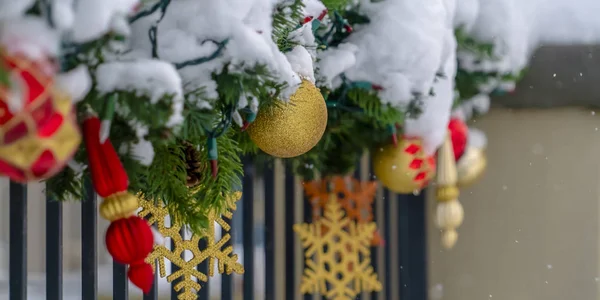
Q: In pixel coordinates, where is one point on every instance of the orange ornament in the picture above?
(38, 129)
(355, 197)
(403, 168)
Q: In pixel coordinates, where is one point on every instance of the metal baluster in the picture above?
(269, 188)
(54, 250)
(413, 248)
(204, 292)
(120, 282)
(377, 219)
(18, 241)
(248, 228)
(308, 218)
(226, 280)
(387, 232)
(89, 252)
(290, 249)
(174, 268)
(358, 175)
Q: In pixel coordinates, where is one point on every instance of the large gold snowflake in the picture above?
(214, 251)
(338, 261)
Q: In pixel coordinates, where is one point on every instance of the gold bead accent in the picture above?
(449, 238)
(118, 206)
(446, 193)
(291, 129)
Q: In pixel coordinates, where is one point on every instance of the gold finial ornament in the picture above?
(449, 211)
(291, 129)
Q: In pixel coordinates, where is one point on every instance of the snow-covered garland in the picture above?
(165, 74)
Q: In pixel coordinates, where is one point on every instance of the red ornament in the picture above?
(129, 241)
(37, 121)
(459, 133)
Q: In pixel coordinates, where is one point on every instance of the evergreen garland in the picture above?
(357, 119)
(165, 179)
(467, 82)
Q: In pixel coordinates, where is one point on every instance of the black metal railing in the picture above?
(400, 218)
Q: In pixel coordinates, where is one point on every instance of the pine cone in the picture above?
(194, 166)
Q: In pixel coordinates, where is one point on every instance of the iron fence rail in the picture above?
(405, 280)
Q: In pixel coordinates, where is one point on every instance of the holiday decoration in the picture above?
(449, 211)
(193, 166)
(404, 168)
(337, 263)
(187, 286)
(291, 129)
(129, 239)
(356, 198)
(471, 166)
(37, 121)
(458, 134)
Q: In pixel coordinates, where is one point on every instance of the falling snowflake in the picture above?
(188, 276)
(338, 264)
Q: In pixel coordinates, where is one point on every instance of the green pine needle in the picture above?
(286, 19)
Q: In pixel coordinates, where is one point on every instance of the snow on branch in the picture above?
(401, 48)
(431, 124)
(241, 31)
(147, 78)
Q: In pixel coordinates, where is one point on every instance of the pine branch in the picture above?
(286, 19)
(65, 186)
(373, 108)
(332, 5)
(165, 181)
(469, 44)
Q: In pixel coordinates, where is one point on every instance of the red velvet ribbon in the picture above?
(108, 175)
(128, 240)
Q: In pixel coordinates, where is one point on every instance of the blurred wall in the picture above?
(532, 224)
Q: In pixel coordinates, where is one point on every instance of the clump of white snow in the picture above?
(313, 8)
(193, 29)
(335, 61)
(466, 14)
(149, 78)
(431, 124)
(29, 36)
(76, 82)
(403, 39)
(93, 18)
(62, 14)
(301, 62)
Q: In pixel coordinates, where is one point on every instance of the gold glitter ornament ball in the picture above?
(292, 128)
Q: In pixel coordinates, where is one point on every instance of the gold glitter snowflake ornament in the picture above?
(190, 277)
(338, 261)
